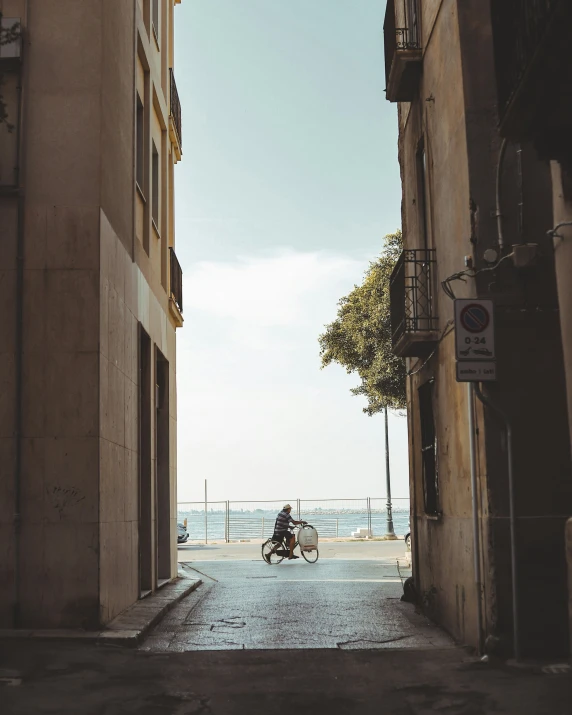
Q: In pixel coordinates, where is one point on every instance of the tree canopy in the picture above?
(360, 337)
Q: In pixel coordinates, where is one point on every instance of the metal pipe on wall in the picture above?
(520, 188)
(512, 517)
(498, 194)
(475, 510)
(19, 333)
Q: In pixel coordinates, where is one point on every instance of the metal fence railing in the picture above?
(333, 518)
(401, 30)
(176, 279)
(175, 107)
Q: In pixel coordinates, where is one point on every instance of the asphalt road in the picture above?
(335, 603)
(68, 679)
(329, 638)
(330, 549)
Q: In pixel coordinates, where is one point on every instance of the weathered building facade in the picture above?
(468, 199)
(90, 298)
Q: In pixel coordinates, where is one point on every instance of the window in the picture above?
(140, 139)
(421, 161)
(412, 22)
(155, 17)
(155, 187)
(428, 449)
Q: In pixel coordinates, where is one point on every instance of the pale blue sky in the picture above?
(288, 183)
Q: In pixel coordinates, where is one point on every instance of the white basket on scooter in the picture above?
(308, 538)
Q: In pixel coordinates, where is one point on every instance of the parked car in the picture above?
(182, 533)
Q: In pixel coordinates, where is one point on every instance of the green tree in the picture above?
(360, 337)
(7, 35)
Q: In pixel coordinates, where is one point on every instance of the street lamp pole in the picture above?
(206, 515)
(390, 533)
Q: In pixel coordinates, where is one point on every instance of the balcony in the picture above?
(532, 40)
(175, 288)
(403, 54)
(175, 126)
(413, 320)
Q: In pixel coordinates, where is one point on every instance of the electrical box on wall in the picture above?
(12, 49)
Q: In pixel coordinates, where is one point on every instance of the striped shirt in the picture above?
(283, 521)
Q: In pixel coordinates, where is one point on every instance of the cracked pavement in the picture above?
(327, 638)
(335, 603)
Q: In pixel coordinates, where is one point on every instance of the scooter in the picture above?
(408, 539)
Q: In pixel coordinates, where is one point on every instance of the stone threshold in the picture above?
(127, 629)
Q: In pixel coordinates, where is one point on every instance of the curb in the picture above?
(127, 629)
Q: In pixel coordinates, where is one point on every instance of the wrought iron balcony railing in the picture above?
(407, 25)
(176, 280)
(403, 55)
(413, 320)
(175, 108)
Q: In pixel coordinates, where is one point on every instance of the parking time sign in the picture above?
(474, 330)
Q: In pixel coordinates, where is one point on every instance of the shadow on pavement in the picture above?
(68, 679)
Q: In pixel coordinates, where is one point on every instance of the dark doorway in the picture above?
(145, 472)
(428, 449)
(164, 540)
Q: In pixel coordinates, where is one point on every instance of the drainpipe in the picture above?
(520, 187)
(498, 195)
(390, 532)
(513, 551)
(475, 506)
(19, 340)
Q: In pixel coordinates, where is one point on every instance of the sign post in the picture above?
(475, 340)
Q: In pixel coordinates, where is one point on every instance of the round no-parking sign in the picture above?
(474, 329)
(475, 318)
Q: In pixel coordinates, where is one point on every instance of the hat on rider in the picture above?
(286, 506)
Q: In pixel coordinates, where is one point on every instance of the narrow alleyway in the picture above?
(335, 603)
(329, 638)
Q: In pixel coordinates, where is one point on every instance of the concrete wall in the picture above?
(117, 124)
(60, 477)
(87, 287)
(118, 434)
(133, 294)
(8, 278)
(127, 302)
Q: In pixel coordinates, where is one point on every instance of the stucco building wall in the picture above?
(438, 119)
(453, 117)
